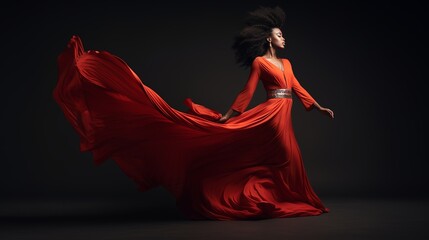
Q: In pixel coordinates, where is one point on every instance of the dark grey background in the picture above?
(360, 59)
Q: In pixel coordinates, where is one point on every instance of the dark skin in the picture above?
(276, 41)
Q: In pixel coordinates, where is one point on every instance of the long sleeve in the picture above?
(243, 98)
(306, 99)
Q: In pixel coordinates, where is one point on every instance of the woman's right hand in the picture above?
(226, 116)
(223, 119)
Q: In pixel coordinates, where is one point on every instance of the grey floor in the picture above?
(350, 218)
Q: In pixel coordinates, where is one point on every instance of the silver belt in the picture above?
(279, 93)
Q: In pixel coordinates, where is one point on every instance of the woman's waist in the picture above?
(279, 93)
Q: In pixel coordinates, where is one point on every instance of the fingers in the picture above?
(331, 113)
(222, 119)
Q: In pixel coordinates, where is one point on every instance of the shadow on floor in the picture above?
(349, 219)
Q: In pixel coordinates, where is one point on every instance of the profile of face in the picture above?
(276, 38)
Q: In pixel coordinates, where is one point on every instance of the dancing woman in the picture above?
(244, 164)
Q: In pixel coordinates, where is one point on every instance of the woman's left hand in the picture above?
(327, 111)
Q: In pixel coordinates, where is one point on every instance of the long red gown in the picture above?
(247, 168)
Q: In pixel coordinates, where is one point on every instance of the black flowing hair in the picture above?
(251, 41)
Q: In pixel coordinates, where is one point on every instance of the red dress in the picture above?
(247, 168)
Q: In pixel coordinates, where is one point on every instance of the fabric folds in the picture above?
(248, 168)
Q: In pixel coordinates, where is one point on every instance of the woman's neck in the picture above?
(270, 53)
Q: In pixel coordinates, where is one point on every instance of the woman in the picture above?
(261, 37)
(217, 166)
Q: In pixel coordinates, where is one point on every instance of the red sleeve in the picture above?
(243, 98)
(306, 99)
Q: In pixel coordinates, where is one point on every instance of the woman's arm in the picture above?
(324, 110)
(228, 115)
(306, 99)
(243, 98)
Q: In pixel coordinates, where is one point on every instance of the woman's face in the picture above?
(277, 39)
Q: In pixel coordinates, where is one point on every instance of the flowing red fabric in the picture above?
(248, 168)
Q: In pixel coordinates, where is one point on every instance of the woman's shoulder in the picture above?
(286, 60)
(256, 61)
